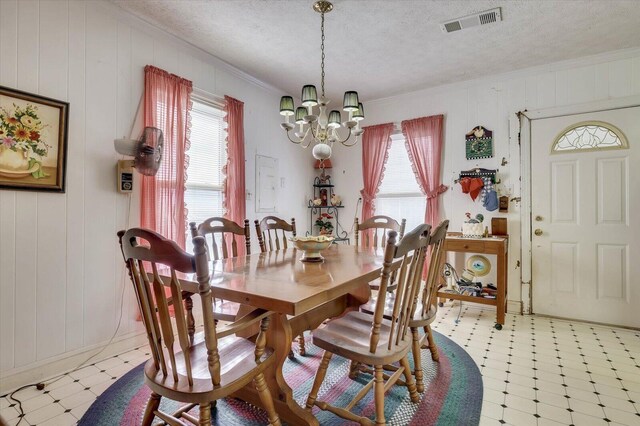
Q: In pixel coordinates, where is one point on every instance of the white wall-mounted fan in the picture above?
(147, 156)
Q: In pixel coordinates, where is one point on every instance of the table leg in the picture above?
(280, 335)
(502, 288)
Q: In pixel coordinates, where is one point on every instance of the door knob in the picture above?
(538, 218)
(538, 232)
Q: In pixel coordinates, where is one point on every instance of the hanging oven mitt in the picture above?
(471, 186)
(491, 201)
(475, 186)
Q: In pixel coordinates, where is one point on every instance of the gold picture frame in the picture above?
(33, 141)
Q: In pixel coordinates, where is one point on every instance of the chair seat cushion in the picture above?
(349, 336)
(237, 368)
(419, 319)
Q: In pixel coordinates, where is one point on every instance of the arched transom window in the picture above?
(589, 136)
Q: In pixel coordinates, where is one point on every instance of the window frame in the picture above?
(398, 137)
(624, 142)
(211, 101)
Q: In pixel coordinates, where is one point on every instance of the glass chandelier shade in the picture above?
(286, 106)
(359, 114)
(314, 124)
(309, 96)
(334, 119)
(300, 113)
(350, 101)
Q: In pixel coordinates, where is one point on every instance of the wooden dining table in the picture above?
(301, 295)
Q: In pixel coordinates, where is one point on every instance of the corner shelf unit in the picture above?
(323, 189)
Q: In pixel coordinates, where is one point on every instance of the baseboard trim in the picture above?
(514, 307)
(53, 367)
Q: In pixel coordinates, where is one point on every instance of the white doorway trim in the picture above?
(522, 120)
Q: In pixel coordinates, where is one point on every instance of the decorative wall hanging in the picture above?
(33, 141)
(479, 143)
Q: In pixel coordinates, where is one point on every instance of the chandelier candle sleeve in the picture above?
(315, 127)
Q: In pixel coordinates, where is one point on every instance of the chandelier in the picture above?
(320, 129)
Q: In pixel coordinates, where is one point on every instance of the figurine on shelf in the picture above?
(317, 202)
(323, 197)
(324, 224)
(336, 200)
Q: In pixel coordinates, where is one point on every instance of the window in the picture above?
(400, 196)
(207, 156)
(589, 135)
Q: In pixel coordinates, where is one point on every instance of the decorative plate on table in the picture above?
(480, 265)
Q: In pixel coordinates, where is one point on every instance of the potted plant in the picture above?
(324, 224)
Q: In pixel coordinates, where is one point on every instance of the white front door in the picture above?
(585, 207)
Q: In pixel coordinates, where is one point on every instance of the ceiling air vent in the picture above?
(475, 20)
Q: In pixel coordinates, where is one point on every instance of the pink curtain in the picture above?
(167, 106)
(234, 187)
(423, 140)
(376, 142)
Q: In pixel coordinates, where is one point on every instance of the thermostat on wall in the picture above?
(125, 176)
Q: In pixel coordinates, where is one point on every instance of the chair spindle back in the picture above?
(436, 244)
(146, 253)
(378, 226)
(267, 231)
(222, 233)
(405, 260)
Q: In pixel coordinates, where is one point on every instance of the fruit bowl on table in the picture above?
(311, 246)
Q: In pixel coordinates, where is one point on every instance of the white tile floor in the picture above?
(536, 371)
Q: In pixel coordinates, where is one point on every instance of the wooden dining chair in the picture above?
(372, 339)
(220, 237)
(267, 231)
(271, 232)
(426, 308)
(378, 226)
(213, 366)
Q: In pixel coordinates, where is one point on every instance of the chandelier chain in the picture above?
(322, 50)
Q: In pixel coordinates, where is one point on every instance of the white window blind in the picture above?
(207, 156)
(399, 196)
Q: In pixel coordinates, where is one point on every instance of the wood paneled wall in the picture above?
(61, 273)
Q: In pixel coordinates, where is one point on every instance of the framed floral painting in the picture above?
(33, 141)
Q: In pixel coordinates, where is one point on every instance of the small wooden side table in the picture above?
(497, 245)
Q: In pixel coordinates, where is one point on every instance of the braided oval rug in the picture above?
(452, 396)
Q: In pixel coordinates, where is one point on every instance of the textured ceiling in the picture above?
(384, 47)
